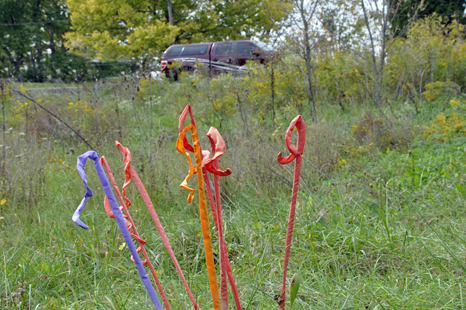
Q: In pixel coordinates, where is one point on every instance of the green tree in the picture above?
(32, 46)
(140, 29)
(31, 32)
(16, 34)
(450, 8)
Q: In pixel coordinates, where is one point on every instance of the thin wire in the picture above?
(69, 20)
(425, 15)
(35, 23)
(43, 108)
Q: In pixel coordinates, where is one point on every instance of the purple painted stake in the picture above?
(118, 217)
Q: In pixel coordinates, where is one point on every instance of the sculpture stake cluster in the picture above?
(211, 165)
(205, 162)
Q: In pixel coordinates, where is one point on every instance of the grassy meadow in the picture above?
(380, 216)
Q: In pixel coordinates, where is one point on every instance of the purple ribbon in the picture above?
(118, 217)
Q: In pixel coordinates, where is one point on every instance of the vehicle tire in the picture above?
(190, 70)
(173, 76)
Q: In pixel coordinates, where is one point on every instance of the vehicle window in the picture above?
(194, 50)
(224, 49)
(174, 51)
(245, 48)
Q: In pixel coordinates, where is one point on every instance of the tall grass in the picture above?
(379, 221)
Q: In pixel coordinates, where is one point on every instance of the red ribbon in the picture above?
(299, 123)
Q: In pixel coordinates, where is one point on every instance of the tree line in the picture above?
(84, 40)
(32, 44)
(73, 40)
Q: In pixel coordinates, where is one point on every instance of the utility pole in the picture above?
(170, 12)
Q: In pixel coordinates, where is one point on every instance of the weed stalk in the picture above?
(3, 91)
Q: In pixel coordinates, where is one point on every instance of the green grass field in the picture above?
(380, 216)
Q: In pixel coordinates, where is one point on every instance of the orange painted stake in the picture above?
(202, 206)
(211, 165)
(296, 153)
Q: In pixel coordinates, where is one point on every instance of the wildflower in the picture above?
(454, 102)
(122, 246)
(23, 89)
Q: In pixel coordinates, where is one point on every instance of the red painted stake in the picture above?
(131, 174)
(212, 165)
(296, 153)
(132, 229)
